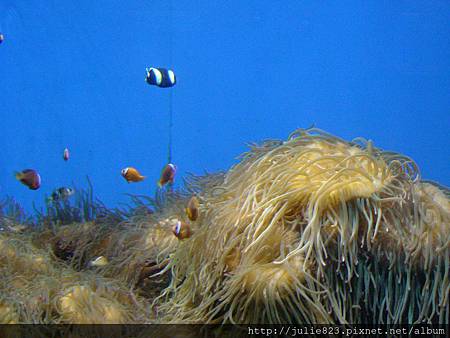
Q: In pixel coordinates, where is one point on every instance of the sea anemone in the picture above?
(36, 287)
(135, 244)
(314, 229)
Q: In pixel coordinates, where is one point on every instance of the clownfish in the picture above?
(167, 175)
(132, 175)
(160, 77)
(30, 178)
(192, 208)
(66, 154)
(181, 230)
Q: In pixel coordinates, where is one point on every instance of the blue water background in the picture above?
(72, 75)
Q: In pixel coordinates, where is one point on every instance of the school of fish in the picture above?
(160, 77)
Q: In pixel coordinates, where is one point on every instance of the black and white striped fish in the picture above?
(161, 77)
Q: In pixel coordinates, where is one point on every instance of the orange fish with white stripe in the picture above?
(131, 174)
(182, 230)
(167, 174)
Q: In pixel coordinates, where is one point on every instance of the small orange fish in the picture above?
(192, 208)
(181, 230)
(132, 175)
(66, 154)
(30, 178)
(167, 174)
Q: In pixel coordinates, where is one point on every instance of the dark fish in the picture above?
(167, 174)
(66, 154)
(30, 178)
(62, 193)
(160, 77)
(192, 208)
(2, 37)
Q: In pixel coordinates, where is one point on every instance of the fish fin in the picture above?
(18, 175)
(159, 184)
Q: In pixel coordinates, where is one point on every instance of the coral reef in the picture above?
(313, 229)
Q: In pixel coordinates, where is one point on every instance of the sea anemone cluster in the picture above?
(313, 229)
(46, 275)
(37, 289)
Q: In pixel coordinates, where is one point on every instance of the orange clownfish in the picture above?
(132, 175)
(167, 174)
(192, 208)
(181, 230)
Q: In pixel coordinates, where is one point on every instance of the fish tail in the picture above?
(18, 175)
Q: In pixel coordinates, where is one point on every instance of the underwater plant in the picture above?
(84, 208)
(12, 216)
(314, 229)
